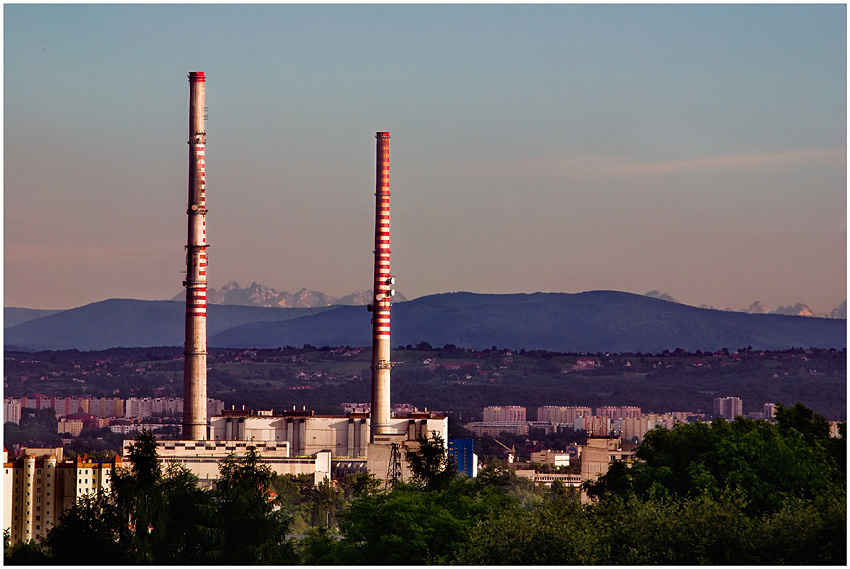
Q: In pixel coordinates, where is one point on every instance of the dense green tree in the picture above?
(430, 464)
(741, 492)
(27, 553)
(692, 460)
(803, 421)
(409, 525)
(37, 428)
(695, 531)
(358, 484)
(425, 521)
(801, 533)
(247, 526)
(164, 512)
(91, 525)
(500, 478)
(321, 547)
(556, 532)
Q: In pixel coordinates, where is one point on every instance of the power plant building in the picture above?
(297, 440)
(345, 438)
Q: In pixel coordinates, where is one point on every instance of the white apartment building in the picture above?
(769, 410)
(481, 428)
(551, 457)
(11, 410)
(594, 426)
(562, 415)
(39, 486)
(728, 407)
(615, 413)
(143, 407)
(629, 428)
(504, 414)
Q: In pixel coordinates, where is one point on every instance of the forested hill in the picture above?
(599, 321)
(131, 323)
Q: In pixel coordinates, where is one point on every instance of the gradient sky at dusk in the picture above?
(696, 150)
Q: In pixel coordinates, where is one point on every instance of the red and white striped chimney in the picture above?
(195, 363)
(381, 293)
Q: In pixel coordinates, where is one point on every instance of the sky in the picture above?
(697, 150)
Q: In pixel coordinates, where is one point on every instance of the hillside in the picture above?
(132, 323)
(12, 316)
(599, 321)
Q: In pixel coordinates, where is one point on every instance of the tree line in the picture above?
(745, 492)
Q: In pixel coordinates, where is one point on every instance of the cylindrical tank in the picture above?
(195, 363)
(381, 293)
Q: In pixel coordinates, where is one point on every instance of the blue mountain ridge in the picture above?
(596, 321)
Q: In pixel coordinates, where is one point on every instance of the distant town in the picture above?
(126, 390)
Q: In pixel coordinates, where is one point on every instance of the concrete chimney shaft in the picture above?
(382, 292)
(195, 363)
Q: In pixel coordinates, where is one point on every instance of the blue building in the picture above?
(467, 462)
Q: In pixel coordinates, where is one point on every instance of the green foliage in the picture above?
(741, 492)
(765, 464)
(27, 553)
(694, 531)
(554, 532)
(502, 479)
(163, 509)
(321, 547)
(247, 527)
(359, 484)
(802, 420)
(37, 428)
(745, 492)
(430, 464)
(412, 525)
(800, 533)
(91, 525)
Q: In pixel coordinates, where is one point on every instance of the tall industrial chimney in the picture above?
(382, 292)
(195, 363)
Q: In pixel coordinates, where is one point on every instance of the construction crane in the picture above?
(511, 451)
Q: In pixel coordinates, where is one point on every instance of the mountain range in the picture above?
(596, 321)
(757, 307)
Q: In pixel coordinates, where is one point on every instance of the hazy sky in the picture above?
(696, 150)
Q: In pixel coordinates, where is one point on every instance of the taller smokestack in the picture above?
(195, 363)
(382, 292)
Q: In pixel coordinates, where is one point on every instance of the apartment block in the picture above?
(504, 414)
(11, 410)
(562, 415)
(728, 407)
(39, 486)
(594, 425)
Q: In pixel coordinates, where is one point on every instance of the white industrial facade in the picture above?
(346, 438)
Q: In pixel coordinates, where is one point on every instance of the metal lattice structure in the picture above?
(394, 469)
